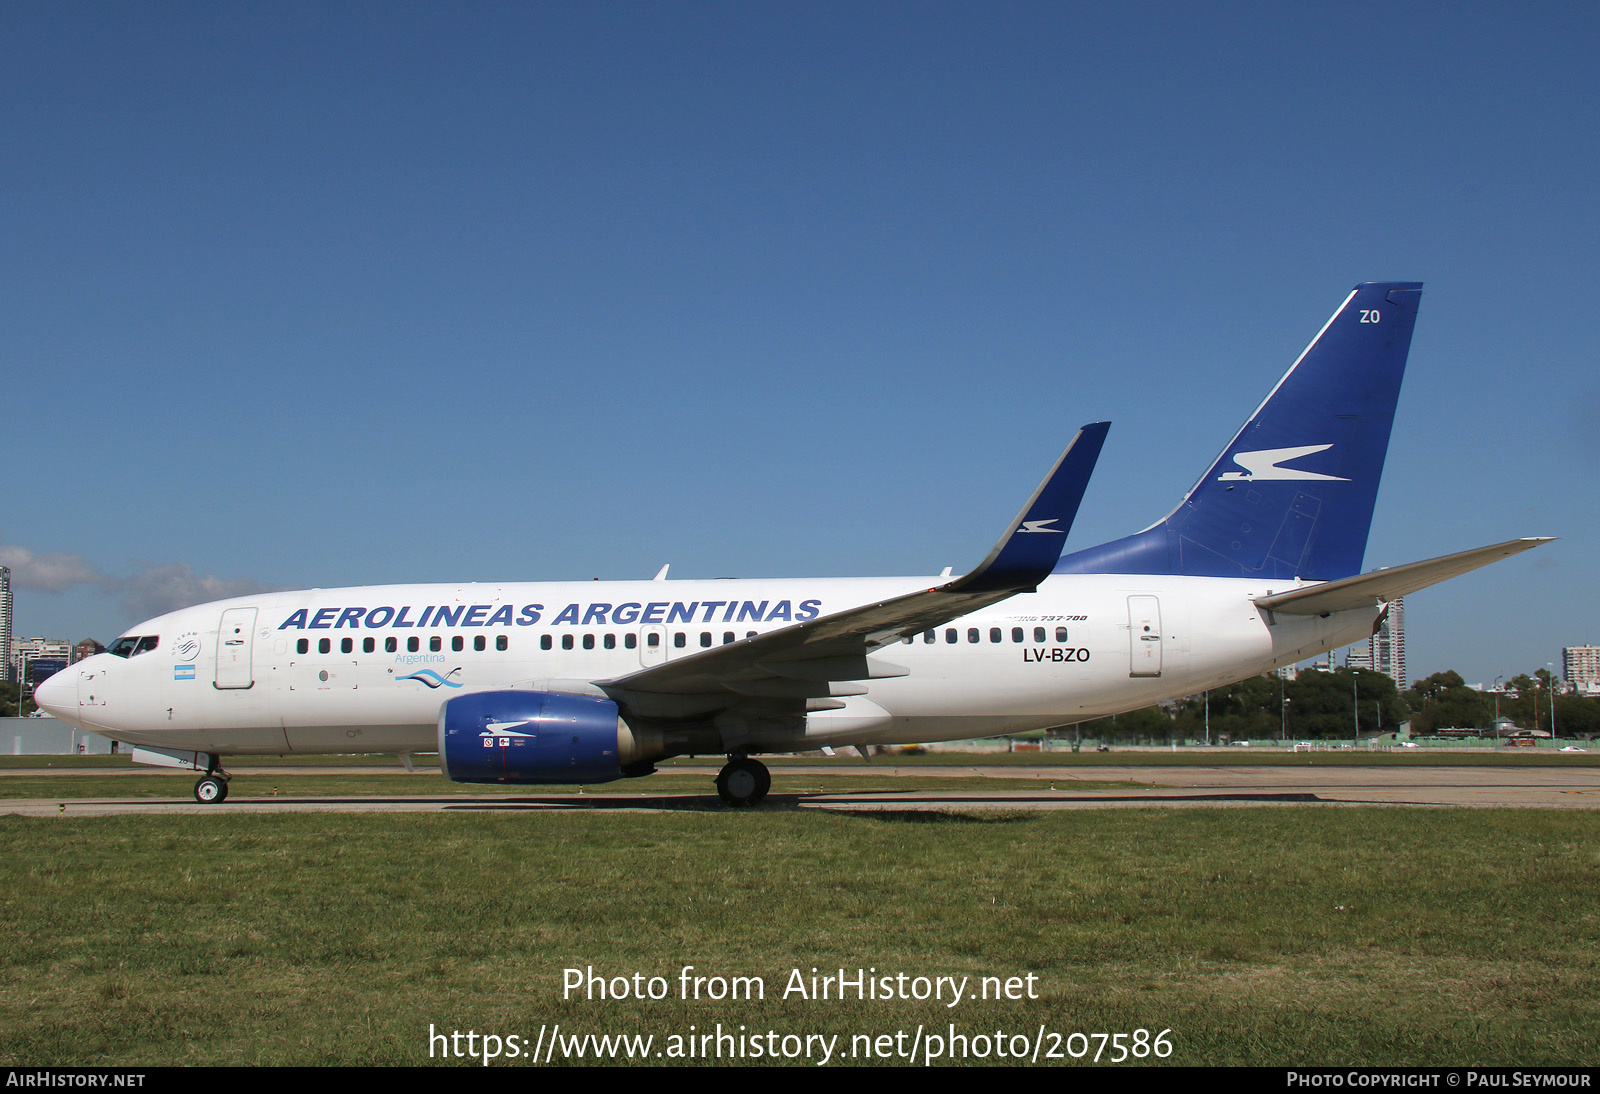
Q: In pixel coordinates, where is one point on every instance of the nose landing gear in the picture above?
(743, 781)
(210, 789)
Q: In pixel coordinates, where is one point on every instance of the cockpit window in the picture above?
(132, 645)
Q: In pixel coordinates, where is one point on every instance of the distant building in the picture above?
(87, 648)
(36, 659)
(1385, 651)
(5, 622)
(1389, 644)
(1580, 666)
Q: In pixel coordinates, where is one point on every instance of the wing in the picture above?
(785, 673)
(1370, 590)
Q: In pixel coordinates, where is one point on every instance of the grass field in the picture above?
(178, 785)
(1262, 936)
(63, 778)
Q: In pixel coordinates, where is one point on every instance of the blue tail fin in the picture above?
(1292, 494)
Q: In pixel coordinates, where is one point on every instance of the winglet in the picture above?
(1029, 550)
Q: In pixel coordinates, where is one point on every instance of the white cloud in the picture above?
(155, 589)
(147, 589)
(51, 572)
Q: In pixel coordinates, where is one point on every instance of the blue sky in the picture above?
(316, 295)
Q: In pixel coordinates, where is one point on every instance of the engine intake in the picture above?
(533, 737)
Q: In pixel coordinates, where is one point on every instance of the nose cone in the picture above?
(58, 695)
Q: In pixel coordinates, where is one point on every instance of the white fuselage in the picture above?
(366, 669)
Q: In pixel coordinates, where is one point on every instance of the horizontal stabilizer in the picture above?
(1369, 590)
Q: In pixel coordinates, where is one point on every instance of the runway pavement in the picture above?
(1059, 788)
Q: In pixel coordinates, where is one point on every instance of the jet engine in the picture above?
(537, 737)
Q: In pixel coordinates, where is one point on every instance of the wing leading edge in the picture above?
(788, 672)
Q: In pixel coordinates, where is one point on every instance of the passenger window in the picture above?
(391, 644)
(994, 634)
(435, 644)
(545, 642)
(1016, 634)
(680, 640)
(705, 640)
(500, 642)
(929, 638)
(369, 645)
(323, 645)
(479, 643)
(1061, 634)
(347, 645)
(1038, 634)
(566, 641)
(588, 641)
(950, 635)
(456, 644)
(727, 638)
(610, 642)
(972, 634)
(303, 646)
(413, 644)
(749, 634)
(653, 640)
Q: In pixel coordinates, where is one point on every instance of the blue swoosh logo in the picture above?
(432, 679)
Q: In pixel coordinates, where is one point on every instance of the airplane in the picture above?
(1258, 566)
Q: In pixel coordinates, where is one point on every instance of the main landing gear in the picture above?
(743, 781)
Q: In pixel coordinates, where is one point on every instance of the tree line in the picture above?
(8, 701)
(1346, 703)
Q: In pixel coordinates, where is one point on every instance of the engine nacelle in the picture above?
(533, 737)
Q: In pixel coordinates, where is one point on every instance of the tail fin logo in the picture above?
(1040, 526)
(1264, 466)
